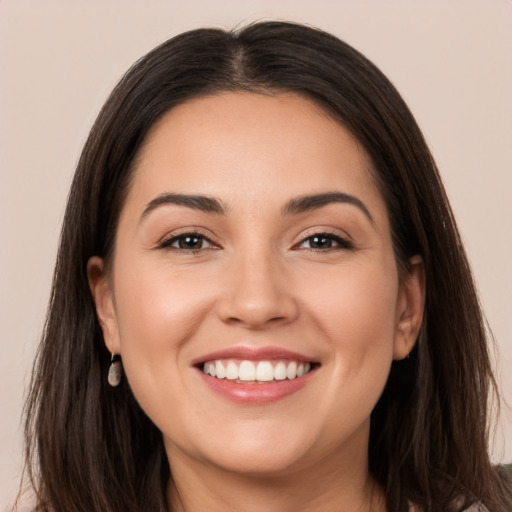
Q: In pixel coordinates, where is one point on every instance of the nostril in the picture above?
(254, 322)
(257, 314)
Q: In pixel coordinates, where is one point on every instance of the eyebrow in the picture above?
(295, 206)
(202, 203)
(313, 202)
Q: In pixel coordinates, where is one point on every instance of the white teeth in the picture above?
(247, 371)
(232, 371)
(280, 371)
(209, 369)
(220, 370)
(262, 371)
(291, 371)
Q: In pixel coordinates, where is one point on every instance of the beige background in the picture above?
(58, 60)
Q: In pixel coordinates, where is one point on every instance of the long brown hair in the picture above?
(92, 448)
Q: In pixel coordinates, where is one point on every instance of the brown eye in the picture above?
(325, 241)
(187, 242)
(320, 242)
(191, 242)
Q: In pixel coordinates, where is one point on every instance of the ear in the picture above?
(411, 304)
(102, 295)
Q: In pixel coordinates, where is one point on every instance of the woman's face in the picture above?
(255, 246)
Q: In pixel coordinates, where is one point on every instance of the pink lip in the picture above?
(252, 354)
(254, 393)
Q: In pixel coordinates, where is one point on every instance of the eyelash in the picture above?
(342, 243)
(168, 242)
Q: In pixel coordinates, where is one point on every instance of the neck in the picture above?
(329, 485)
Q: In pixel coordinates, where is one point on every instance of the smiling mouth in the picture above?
(256, 372)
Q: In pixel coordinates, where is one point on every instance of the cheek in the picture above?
(356, 312)
(158, 307)
(158, 313)
(356, 305)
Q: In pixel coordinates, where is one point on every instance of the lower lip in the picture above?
(256, 393)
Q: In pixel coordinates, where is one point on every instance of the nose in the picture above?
(258, 293)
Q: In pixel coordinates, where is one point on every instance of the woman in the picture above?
(259, 253)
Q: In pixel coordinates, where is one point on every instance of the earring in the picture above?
(115, 370)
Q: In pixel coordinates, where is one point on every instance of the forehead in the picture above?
(252, 148)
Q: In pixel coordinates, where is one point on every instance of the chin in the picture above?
(248, 450)
(261, 463)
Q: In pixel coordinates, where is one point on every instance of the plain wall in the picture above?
(451, 60)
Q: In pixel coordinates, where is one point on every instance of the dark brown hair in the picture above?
(91, 447)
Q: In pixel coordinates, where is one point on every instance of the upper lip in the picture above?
(252, 353)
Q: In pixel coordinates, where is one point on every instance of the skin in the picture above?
(259, 281)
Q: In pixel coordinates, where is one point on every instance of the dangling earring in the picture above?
(115, 370)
